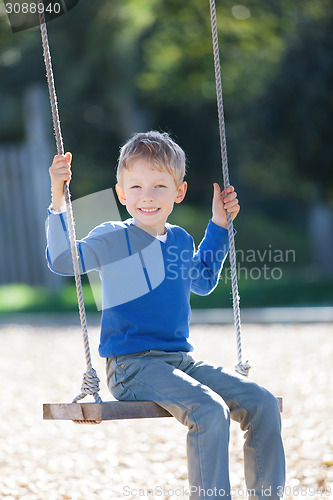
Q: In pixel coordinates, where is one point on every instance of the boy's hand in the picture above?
(223, 202)
(60, 172)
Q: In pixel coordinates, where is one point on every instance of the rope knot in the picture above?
(244, 368)
(90, 386)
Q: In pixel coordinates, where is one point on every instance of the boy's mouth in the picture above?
(148, 211)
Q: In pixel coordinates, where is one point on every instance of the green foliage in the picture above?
(127, 65)
(298, 109)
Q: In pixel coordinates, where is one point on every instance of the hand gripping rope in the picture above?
(90, 383)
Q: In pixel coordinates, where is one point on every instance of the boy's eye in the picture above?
(135, 186)
(161, 186)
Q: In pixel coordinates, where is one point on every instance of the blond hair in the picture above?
(156, 148)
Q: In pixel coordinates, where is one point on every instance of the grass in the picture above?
(288, 291)
(19, 298)
(269, 293)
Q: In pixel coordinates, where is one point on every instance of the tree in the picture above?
(295, 120)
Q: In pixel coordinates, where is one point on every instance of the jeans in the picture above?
(204, 398)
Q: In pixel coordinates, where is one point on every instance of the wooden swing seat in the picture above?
(110, 410)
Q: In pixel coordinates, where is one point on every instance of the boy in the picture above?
(148, 269)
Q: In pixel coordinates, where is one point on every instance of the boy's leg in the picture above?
(258, 413)
(159, 376)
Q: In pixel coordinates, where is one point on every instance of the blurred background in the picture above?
(123, 66)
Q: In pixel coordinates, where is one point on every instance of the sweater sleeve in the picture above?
(58, 252)
(104, 245)
(208, 261)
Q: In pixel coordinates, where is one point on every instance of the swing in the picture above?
(94, 413)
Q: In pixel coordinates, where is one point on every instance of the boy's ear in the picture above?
(121, 194)
(181, 192)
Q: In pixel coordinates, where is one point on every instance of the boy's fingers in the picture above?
(60, 165)
(232, 204)
(230, 197)
(68, 157)
(217, 191)
(59, 158)
(227, 191)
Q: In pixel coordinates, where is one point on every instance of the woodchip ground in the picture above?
(46, 460)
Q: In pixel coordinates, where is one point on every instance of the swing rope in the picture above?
(242, 368)
(90, 383)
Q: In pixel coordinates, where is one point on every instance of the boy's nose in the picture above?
(148, 195)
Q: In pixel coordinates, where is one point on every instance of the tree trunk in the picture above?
(321, 236)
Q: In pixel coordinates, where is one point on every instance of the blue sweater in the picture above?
(146, 283)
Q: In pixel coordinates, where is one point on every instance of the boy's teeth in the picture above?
(149, 209)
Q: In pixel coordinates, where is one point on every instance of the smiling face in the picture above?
(149, 195)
